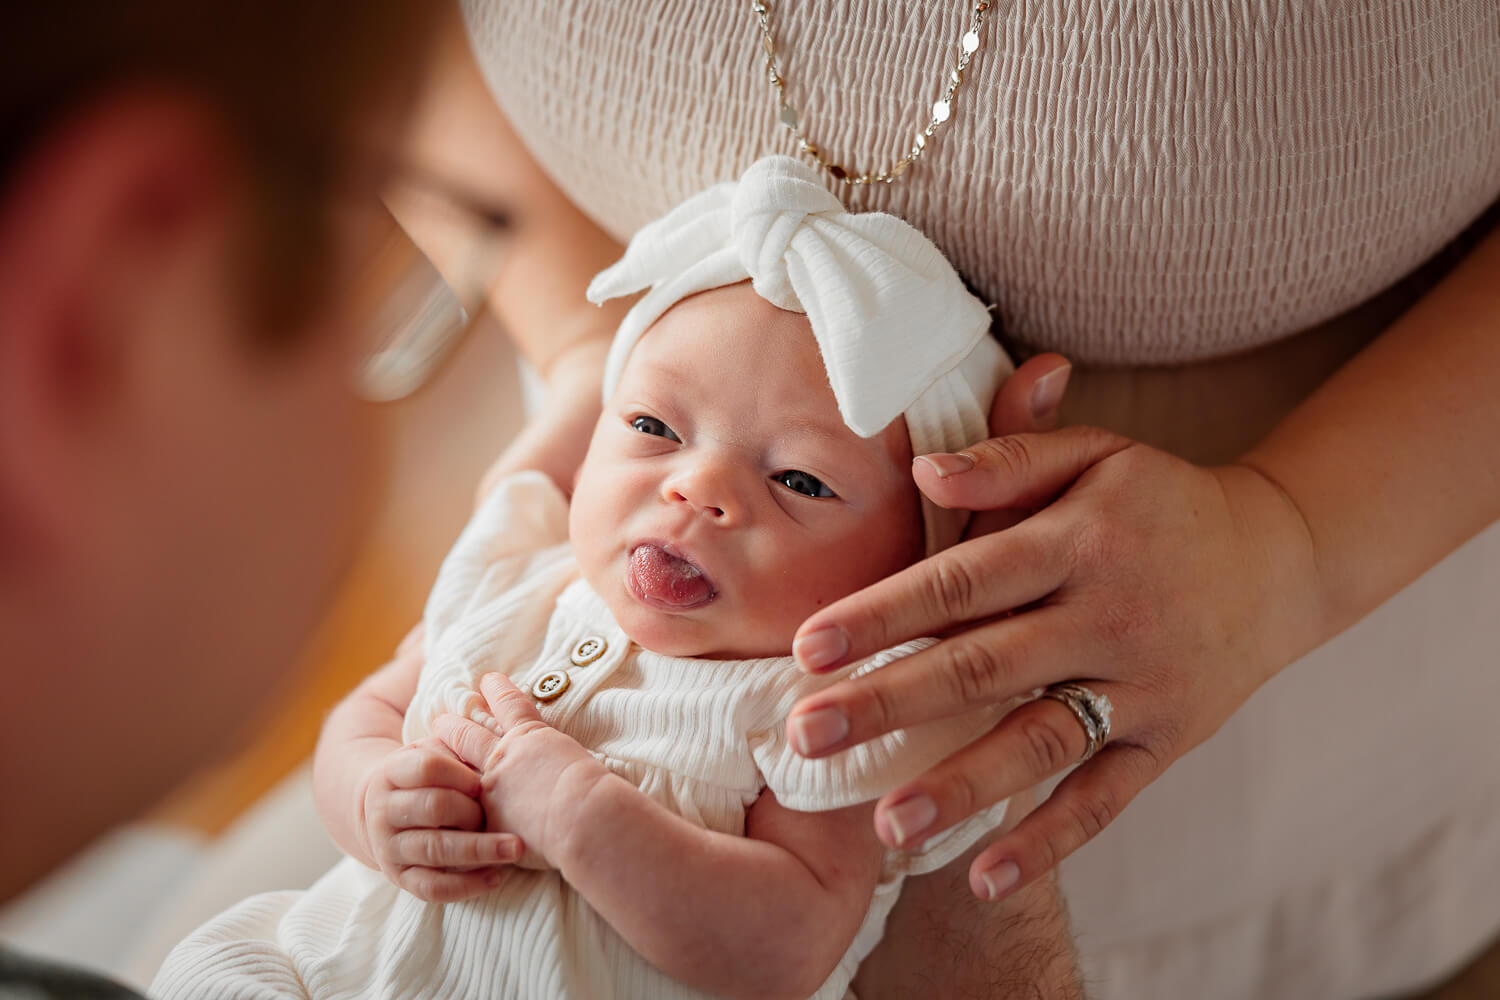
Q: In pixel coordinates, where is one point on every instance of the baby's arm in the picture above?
(409, 812)
(765, 915)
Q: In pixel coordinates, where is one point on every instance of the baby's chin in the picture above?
(699, 634)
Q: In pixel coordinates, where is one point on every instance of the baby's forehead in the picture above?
(730, 347)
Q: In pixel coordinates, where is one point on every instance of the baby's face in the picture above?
(723, 500)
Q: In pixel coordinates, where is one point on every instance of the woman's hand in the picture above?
(1174, 590)
(526, 770)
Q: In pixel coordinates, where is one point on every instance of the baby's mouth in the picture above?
(663, 579)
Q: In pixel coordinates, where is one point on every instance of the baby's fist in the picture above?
(423, 826)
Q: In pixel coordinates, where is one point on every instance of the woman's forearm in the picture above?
(1395, 460)
(735, 916)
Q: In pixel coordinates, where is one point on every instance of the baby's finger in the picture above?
(406, 808)
(972, 581)
(438, 886)
(431, 764)
(1085, 803)
(474, 744)
(454, 849)
(508, 704)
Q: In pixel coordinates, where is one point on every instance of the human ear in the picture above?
(89, 215)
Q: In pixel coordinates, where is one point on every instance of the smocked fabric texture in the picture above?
(1136, 184)
(897, 332)
(702, 738)
(1131, 182)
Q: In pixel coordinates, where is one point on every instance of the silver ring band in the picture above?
(1092, 710)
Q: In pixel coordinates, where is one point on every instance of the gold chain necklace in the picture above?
(968, 44)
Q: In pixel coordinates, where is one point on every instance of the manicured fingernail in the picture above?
(908, 820)
(815, 731)
(997, 881)
(946, 465)
(1048, 391)
(822, 648)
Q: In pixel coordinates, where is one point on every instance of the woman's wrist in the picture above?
(1281, 556)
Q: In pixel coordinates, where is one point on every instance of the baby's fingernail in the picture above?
(821, 648)
(946, 465)
(907, 820)
(815, 731)
(997, 881)
(1048, 392)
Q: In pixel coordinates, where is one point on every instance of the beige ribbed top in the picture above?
(1131, 181)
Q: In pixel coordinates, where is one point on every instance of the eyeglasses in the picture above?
(414, 318)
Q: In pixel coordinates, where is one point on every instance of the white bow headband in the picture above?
(898, 332)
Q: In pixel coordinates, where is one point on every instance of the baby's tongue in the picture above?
(664, 578)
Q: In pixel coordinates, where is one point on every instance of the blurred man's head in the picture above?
(184, 192)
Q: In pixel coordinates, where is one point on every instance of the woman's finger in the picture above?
(1031, 744)
(1029, 398)
(972, 581)
(455, 849)
(1022, 470)
(508, 704)
(1084, 803)
(433, 808)
(988, 664)
(430, 764)
(438, 886)
(474, 744)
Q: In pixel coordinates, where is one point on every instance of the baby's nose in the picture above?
(707, 487)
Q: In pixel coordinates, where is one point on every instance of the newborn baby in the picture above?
(617, 668)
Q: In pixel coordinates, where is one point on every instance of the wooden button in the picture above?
(588, 650)
(549, 686)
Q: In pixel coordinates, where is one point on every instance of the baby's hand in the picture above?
(541, 772)
(422, 823)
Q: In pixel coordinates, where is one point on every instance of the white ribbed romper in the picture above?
(701, 737)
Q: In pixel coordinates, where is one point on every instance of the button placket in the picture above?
(588, 657)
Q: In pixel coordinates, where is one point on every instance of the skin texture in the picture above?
(161, 475)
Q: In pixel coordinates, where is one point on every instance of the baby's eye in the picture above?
(650, 425)
(804, 483)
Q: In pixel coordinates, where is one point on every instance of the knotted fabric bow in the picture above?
(898, 332)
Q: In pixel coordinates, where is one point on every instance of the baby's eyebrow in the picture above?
(836, 449)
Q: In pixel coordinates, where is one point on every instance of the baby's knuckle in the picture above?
(428, 851)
